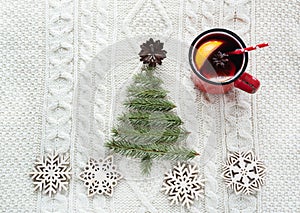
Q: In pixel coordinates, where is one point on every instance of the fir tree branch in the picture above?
(146, 164)
(145, 136)
(150, 104)
(142, 92)
(158, 119)
(153, 151)
(147, 79)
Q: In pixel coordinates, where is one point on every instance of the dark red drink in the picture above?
(211, 60)
(214, 69)
(219, 66)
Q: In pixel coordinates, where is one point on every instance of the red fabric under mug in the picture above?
(210, 79)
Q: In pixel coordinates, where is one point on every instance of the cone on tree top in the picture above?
(152, 53)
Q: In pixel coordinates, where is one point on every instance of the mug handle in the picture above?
(247, 83)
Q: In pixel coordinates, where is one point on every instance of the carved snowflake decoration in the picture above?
(183, 184)
(100, 176)
(244, 173)
(51, 173)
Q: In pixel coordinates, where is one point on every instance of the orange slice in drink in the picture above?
(205, 50)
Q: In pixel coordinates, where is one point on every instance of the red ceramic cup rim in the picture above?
(227, 33)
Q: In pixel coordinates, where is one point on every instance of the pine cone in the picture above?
(220, 60)
(152, 53)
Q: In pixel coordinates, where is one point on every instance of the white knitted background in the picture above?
(53, 100)
(22, 85)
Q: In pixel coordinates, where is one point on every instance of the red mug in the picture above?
(214, 70)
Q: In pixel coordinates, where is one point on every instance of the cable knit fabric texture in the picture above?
(55, 97)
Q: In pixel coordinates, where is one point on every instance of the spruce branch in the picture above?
(147, 79)
(150, 104)
(158, 119)
(153, 151)
(146, 164)
(145, 136)
(142, 92)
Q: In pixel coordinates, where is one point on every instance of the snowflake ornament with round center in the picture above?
(243, 172)
(100, 176)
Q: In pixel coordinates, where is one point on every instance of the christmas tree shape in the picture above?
(149, 130)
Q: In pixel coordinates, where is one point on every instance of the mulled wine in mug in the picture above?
(216, 66)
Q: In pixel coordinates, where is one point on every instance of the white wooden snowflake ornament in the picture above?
(244, 173)
(100, 176)
(183, 184)
(51, 173)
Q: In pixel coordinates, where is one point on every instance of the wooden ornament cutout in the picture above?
(244, 173)
(100, 177)
(51, 174)
(183, 184)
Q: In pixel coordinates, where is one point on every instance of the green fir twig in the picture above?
(158, 119)
(142, 92)
(153, 151)
(145, 136)
(146, 164)
(150, 104)
(147, 79)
